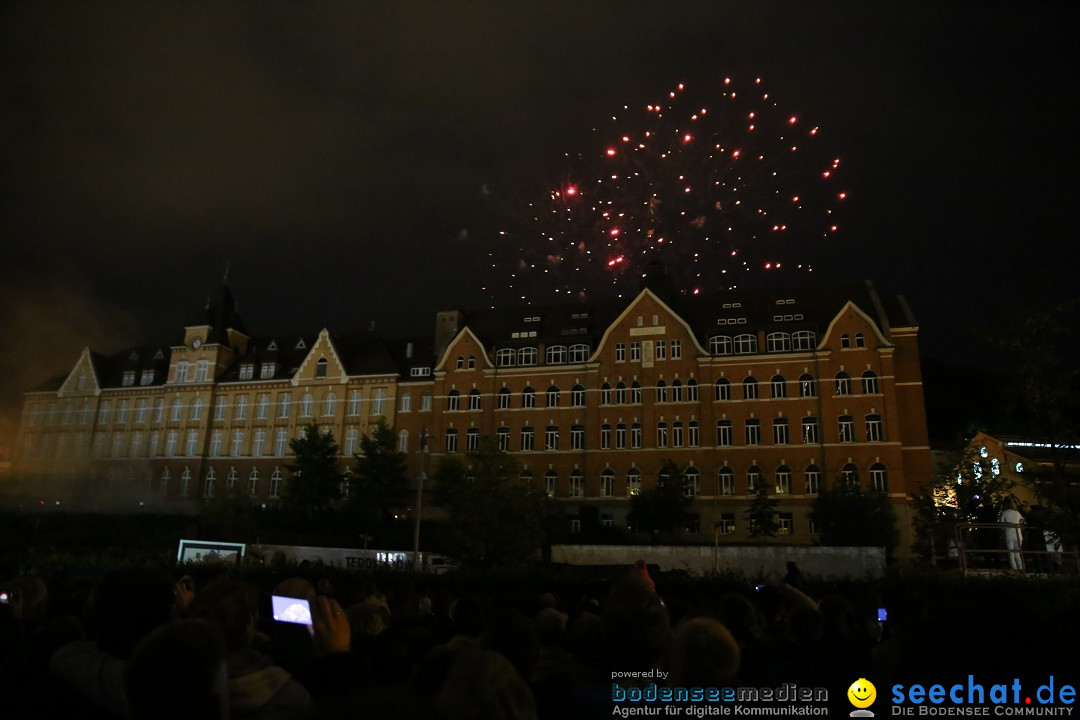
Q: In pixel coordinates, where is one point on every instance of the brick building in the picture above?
(799, 387)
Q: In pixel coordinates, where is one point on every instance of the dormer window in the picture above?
(129, 378)
(267, 371)
(247, 371)
(147, 377)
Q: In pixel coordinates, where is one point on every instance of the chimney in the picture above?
(408, 351)
(447, 325)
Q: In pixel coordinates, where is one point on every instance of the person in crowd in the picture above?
(1014, 536)
(178, 672)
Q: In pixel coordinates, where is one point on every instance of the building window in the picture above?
(676, 391)
(778, 342)
(405, 404)
(779, 386)
(258, 443)
(860, 341)
(502, 436)
(635, 351)
(275, 484)
(128, 379)
(620, 436)
(551, 482)
(208, 485)
(472, 439)
(577, 485)
(505, 357)
(122, 412)
(185, 482)
(661, 350)
(620, 393)
(504, 399)
(472, 362)
(528, 398)
(780, 431)
(843, 383)
(726, 525)
(605, 437)
(425, 401)
(753, 432)
(745, 344)
(577, 396)
(803, 340)
(237, 443)
(635, 393)
(281, 443)
(879, 478)
(813, 479)
(725, 481)
(807, 386)
(676, 349)
(202, 371)
(575, 525)
(241, 408)
(528, 438)
(579, 353)
(267, 371)
(452, 400)
(693, 434)
(553, 396)
(527, 356)
(460, 362)
(633, 482)
(605, 394)
(635, 436)
(329, 405)
(847, 429)
(845, 341)
(810, 430)
(147, 377)
(721, 345)
(551, 437)
(870, 384)
(577, 437)
(661, 391)
(849, 477)
(750, 388)
(247, 371)
(661, 434)
(607, 483)
(262, 410)
(556, 355)
(284, 406)
(783, 480)
(785, 523)
(305, 405)
(753, 478)
(724, 435)
(874, 431)
(320, 368)
(352, 440)
(722, 389)
(181, 372)
(620, 352)
(474, 399)
(676, 434)
(177, 410)
(451, 440)
(692, 487)
(378, 402)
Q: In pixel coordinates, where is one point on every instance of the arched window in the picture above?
(783, 480)
(676, 391)
(845, 341)
(661, 391)
(403, 441)
(745, 344)
(505, 357)
(453, 398)
(577, 396)
(721, 345)
(474, 399)
(750, 388)
(472, 362)
(860, 341)
(329, 404)
(722, 389)
(812, 474)
(208, 486)
(778, 342)
(177, 410)
(425, 401)
(460, 364)
(843, 383)
(605, 394)
(577, 483)
(579, 353)
(633, 482)
(620, 393)
(556, 354)
(803, 340)
(504, 398)
(661, 434)
(779, 386)
(870, 384)
(527, 356)
(874, 429)
(553, 396)
(528, 397)
(879, 478)
(807, 386)
(320, 368)
(849, 477)
(692, 390)
(551, 483)
(725, 481)
(635, 393)
(692, 488)
(253, 481)
(753, 478)
(305, 405)
(607, 483)
(406, 402)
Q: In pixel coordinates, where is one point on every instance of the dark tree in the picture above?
(663, 508)
(495, 518)
(378, 484)
(762, 513)
(847, 516)
(316, 474)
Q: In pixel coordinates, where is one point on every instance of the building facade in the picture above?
(798, 388)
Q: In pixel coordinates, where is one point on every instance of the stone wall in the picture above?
(754, 561)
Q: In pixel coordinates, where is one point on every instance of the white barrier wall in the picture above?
(751, 560)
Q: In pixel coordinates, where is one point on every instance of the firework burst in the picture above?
(712, 188)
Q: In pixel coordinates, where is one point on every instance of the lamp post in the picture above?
(419, 499)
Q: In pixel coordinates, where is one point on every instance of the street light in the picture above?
(419, 499)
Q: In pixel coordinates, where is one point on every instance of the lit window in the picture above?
(783, 480)
(725, 481)
(633, 482)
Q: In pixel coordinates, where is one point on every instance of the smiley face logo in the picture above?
(862, 693)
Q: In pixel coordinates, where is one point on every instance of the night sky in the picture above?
(352, 162)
